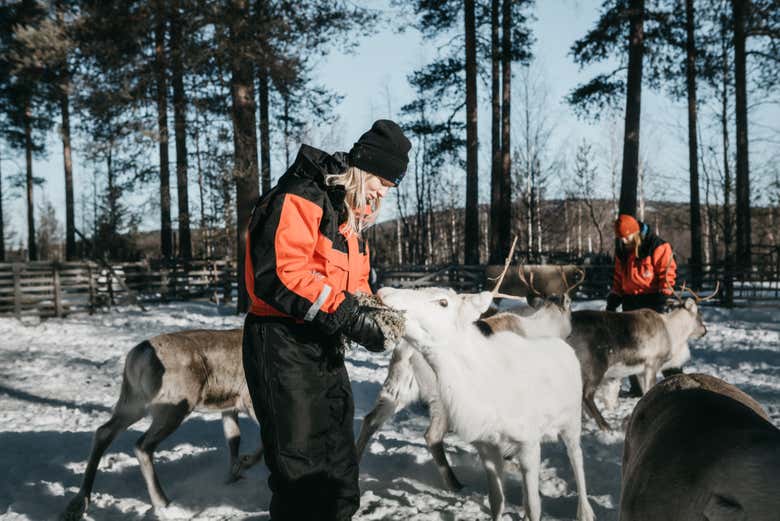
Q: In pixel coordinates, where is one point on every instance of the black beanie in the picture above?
(382, 151)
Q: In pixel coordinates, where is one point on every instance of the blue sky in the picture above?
(372, 80)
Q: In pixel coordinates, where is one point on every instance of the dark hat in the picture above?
(382, 151)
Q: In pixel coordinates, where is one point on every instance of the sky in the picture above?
(373, 80)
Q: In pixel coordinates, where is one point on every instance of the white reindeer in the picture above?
(169, 376)
(501, 393)
(410, 379)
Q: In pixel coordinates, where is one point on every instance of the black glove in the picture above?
(613, 301)
(362, 328)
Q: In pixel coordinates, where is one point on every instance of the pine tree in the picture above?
(25, 102)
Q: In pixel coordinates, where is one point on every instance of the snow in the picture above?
(60, 378)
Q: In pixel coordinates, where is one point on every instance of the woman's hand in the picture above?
(361, 327)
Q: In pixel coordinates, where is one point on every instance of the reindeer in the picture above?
(699, 448)
(169, 376)
(411, 379)
(611, 346)
(501, 393)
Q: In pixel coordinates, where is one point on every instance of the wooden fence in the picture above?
(49, 289)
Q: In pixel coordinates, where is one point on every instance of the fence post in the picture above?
(91, 288)
(227, 280)
(57, 290)
(17, 290)
(164, 282)
(110, 282)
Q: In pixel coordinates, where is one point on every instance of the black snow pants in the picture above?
(303, 400)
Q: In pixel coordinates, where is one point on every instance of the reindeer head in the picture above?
(435, 314)
(691, 306)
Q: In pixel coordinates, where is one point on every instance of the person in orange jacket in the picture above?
(306, 258)
(645, 269)
(644, 276)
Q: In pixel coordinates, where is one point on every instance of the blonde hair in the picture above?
(353, 179)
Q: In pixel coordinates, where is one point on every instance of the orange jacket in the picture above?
(299, 257)
(654, 270)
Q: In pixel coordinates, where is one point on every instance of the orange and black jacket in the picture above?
(653, 270)
(300, 259)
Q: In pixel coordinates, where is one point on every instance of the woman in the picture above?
(645, 271)
(305, 260)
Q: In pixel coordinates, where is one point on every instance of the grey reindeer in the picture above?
(612, 345)
(168, 377)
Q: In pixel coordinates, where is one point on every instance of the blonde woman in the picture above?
(305, 259)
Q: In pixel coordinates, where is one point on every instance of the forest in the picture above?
(189, 100)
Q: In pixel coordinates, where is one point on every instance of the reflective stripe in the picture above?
(317, 304)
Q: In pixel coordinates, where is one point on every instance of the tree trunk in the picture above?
(204, 230)
(505, 216)
(693, 158)
(70, 229)
(180, 128)
(70, 223)
(494, 249)
(471, 237)
(728, 267)
(244, 138)
(740, 8)
(265, 132)
(166, 236)
(2, 224)
(628, 184)
(32, 248)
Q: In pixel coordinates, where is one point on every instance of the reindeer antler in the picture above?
(679, 296)
(566, 288)
(500, 279)
(708, 297)
(529, 283)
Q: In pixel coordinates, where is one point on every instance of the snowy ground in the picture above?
(60, 378)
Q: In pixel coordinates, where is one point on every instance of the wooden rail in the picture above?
(55, 289)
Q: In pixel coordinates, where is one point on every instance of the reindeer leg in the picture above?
(434, 437)
(383, 409)
(609, 391)
(530, 457)
(126, 413)
(233, 438)
(571, 438)
(593, 410)
(165, 419)
(493, 462)
(398, 390)
(649, 376)
(249, 460)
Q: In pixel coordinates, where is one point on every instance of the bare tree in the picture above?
(472, 143)
(532, 168)
(585, 188)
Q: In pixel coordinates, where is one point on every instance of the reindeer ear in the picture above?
(482, 300)
(689, 304)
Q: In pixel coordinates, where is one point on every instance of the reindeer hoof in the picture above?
(75, 509)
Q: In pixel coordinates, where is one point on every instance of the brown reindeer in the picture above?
(699, 448)
(169, 376)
